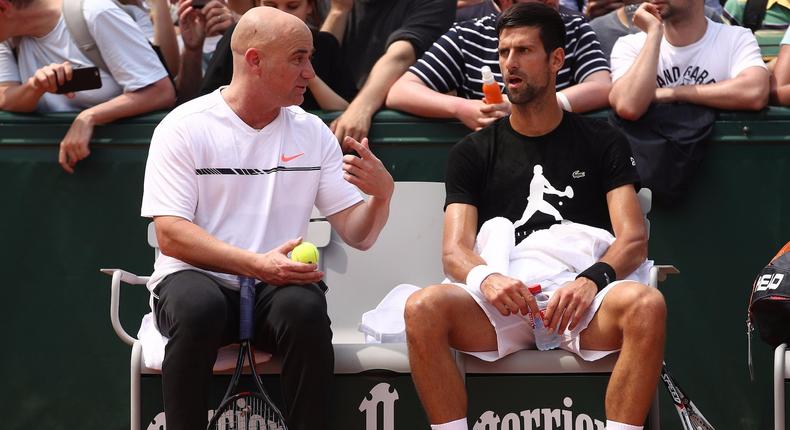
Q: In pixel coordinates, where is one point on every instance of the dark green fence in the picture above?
(63, 368)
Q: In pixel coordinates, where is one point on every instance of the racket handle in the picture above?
(246, 300)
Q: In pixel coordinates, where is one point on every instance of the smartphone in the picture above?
(198, 4)
(86, 78)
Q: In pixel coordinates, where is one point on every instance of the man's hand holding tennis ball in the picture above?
(301, 268)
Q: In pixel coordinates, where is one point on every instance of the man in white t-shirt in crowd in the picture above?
(231, 181)
(46, 55)
(682, 56)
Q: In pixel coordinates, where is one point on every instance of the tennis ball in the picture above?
(305, 252)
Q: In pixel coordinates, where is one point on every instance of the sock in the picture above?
(452, 425)
(614, 425)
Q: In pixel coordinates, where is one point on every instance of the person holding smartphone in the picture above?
(47, 56)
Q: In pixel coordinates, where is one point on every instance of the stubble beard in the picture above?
(527, 94)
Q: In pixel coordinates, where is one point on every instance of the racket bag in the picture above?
(769, 304)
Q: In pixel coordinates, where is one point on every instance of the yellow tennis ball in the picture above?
(305, 252)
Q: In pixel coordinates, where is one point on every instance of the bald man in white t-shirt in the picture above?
(682, 56)
(230, 182)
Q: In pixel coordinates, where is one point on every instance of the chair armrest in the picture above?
(659, 273)
(119, 276)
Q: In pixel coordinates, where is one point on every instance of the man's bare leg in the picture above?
(437, 318)
(632, 317)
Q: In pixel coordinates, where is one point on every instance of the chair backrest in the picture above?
(408, 250)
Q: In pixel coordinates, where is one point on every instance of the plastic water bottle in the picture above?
(543, 339)
(490, 87)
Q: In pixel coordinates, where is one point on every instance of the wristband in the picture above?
(600, 273)
(562, 99)
(477, 275)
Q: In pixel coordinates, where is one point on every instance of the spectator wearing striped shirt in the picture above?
(447, 82)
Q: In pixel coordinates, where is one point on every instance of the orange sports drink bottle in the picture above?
(490, 87)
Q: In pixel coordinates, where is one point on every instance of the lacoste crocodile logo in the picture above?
(577, 174)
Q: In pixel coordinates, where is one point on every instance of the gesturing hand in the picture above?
(569, 303)
(275, 268)
(509, 295)
(366, 172)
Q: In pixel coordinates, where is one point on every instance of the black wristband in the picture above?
(600, 273)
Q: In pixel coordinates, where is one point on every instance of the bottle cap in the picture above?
(534, 289)
(488, 75)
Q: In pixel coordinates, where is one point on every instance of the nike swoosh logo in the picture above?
(287, 159)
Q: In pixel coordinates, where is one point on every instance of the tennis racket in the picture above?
(239, 409)
(690, 416)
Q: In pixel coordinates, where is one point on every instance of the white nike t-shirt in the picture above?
(722, 53)
(254, 189)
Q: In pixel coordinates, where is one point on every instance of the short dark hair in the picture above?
(547, 19)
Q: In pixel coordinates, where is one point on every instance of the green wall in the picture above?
(63, 368)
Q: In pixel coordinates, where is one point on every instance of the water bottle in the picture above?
(543, 339)
(490, 87)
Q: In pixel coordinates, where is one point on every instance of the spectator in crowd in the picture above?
(380, 39)
(780, 81)
(326, 60)
(453, 65)
(201, 30)
(135, 82)
(620, 22)
(214, 227)
(776, 15)
(480, 309)
(681, 56)
(158, 27)
(595, 8)
(467, 10)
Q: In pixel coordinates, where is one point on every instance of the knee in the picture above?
(425, 309)
(303, 313)
(646, 307)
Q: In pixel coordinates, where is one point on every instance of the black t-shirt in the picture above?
(375, 24)
(538, 181)
(326, 63)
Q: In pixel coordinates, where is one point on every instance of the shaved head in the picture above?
(271, 57)
(261, 27)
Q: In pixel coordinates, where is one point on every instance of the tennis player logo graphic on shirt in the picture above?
(539, 186)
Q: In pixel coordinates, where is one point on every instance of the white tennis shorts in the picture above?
(514, 332)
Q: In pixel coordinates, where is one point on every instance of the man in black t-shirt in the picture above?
(531, 170)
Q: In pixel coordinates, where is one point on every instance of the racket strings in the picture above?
(248, 413)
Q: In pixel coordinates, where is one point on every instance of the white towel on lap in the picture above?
(559, 252)
(153, 344)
